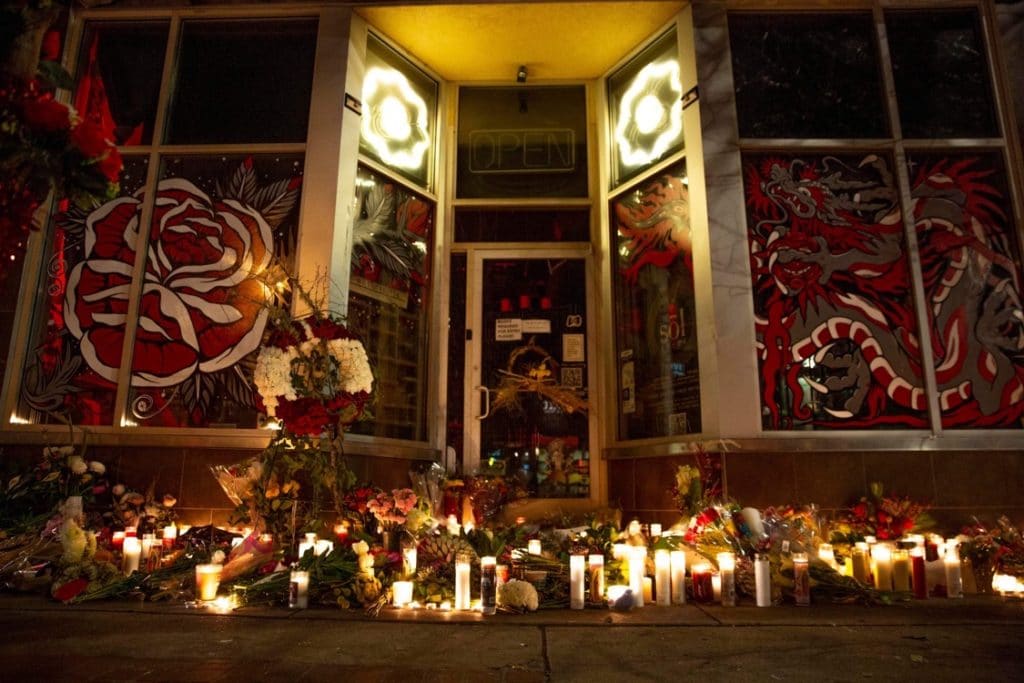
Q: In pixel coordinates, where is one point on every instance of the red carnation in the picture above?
(46, 115)
(89, 138)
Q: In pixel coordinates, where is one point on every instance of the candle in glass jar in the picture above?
(655, 530)
(131, 532)
(533, 546)
(409, 554)
(859, 560)
(298, 589)
(323, 547)
(762, 581)
(132, 552)
(620, 551)
(489, 584)
(677, 561)
(307, 545)
(462, 579)
(648, 590)
(702, 589)
(727, 570)
(716, 587)
(577, 564)
(637, 559)
(663, 577)
(117, 540)
(801, 579)
(827, 555)
(401, 593)
(918, 572)
(882, 556)
(170, 535)
(954, 579)
(901, 570)
(207, 581)
(596, 566)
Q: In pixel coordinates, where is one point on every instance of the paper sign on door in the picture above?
(508, 329)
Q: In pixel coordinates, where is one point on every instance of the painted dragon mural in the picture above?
(837, 333)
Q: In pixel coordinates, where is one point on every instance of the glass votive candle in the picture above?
(401, 592)
(533, 546)
(298, 589)
(207, 581)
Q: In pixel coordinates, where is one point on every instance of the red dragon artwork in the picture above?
(837, 333)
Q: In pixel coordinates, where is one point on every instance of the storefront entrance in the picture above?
(526, 364)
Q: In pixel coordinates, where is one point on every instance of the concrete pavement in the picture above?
(976, 639)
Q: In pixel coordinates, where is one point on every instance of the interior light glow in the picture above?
(18, 420)
(650, 116)
(395, 122)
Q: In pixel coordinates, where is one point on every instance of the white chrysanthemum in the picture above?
(516, 593)
(97, 467)
(353, 365)
(273, 376)
(77, 465)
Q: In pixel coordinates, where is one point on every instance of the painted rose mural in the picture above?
(202, 311)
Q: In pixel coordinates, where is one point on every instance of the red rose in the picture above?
(45, 114)
(860, 510)
(200, 308)
(90, 139)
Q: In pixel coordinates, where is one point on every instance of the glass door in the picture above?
(527, 412)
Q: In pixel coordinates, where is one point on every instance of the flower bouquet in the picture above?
(884, 517)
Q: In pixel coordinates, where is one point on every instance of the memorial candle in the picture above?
(727, 570)
(882, 556)
(489, 585)
(577, 564)
(401, 593)
(827, 555)
(637, 558)
(132, 552)
(533, 546)
(954, 579)
(918, 571)
(462, 582)
(901, 570)
(207, 581)
(409, 554)
(663, 577)
(655, 530)
(701, 575)
(861, 568)
(762, 580)
(677, 559)
(117, 540)
(596, 565)
(298, 589)
(648, 590)
(170, 535)
(801, 580)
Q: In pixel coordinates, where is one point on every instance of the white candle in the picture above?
(298, 589)
(882, 556)
(637, 558)
(596, 565)
(401, 593)
(648, 590)
(117, 540)
(170, 535)
(716, 587)
(207, 581)
(901, 570)
(462, 575)
(323, 547)
(954, 579)
(409, 560)
(576, 568)
(727, 570)
(132, 550)
(677, 561)
(533, 546)
(763, 581)
(305, 547)
(634, 527)
(615, 594)
(827, 555)
(655, 530)
(663, 577)
(488, 585)
(620, 551)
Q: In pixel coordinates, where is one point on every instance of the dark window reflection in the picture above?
(942, 81)
(243, 81)
(519, 225)
(807, 76)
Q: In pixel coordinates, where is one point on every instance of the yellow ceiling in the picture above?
(488, 42)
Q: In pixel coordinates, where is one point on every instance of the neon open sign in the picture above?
(526, 150)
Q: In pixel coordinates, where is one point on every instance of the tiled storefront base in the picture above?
(956, 484)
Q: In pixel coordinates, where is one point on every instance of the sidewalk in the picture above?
(976, 639)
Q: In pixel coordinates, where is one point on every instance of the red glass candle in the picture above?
(117, 540)
(918, 577)
(702, 590)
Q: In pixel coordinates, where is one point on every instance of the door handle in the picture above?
(487, 395)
